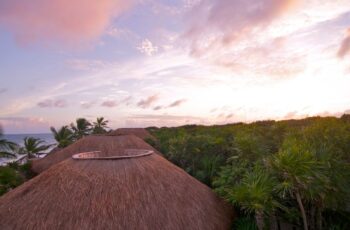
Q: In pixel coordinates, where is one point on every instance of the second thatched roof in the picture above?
(139, 132)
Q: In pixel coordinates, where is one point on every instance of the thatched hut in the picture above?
(90, 143)
(139, 132)
(142, 192)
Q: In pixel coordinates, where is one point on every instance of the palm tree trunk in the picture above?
(259, 218)
(319, 219)
(302, 210)
(312, 217)
(274, 222)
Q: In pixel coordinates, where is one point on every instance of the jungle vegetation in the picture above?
(277, 174)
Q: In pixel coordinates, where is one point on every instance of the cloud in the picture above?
(109, 103)
(229, 116)
(290, 115)
(3, 90)
(220, 22)
(144, 120)
(24, 124)
(87, 65)
(122, 33)
(45, 104)
(60, 103)
(147, 47)
(126, 100)
(86, 104)
(177, 103)
(173, 104)
(68, 21)
(146, 103)
(158, 107)
(345, 46)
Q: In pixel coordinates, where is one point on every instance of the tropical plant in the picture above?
(299, 172)
(255, 194)
(7, 148)
(81, 128)
(308, 161)
(34, 147)
(63, 136)
(9, 178)
(245, 223)
(100, 126)
(208, 166)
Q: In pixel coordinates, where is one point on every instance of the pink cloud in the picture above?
(158, 107)
(220, 22)
(144, 120)
(127, 100)
(271, 58)
(229, 116)
(147, 47)
(86, 104)
(177, 103)
(68, 21)
(60, 103)
(146, 103)
(24, 124)
(86, 65)
(45, 104)
(109, 103)
(345, 46)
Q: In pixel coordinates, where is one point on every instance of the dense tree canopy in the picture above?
(276, 173)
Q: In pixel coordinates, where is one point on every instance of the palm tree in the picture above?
(208, 167)
(255, 194)
(7, 147)
(64, 136)
(100, 126)
(81, 128)
(299, 172)
(34, 147)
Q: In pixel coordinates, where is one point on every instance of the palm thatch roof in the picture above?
(144, 192)
(139, 132)
(91, 143)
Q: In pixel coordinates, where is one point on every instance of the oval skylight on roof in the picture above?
(98, 155)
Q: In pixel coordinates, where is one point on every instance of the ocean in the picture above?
(18, 139)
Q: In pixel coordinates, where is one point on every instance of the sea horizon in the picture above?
(19, 137)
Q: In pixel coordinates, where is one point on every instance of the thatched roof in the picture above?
(147, 192)
(139, 132)
(90, 143)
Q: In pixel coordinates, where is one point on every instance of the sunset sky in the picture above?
(171, 62)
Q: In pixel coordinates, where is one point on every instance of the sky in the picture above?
(143, 63)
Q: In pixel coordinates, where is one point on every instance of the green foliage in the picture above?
(296, 170)
(7, 148)
(100, 126)
(255, 191)
(152, 142)
(81, 128)
(199, 155)
(63, 136)
(9, 179)
(245, 223)
(33, 147)
(66, 135)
